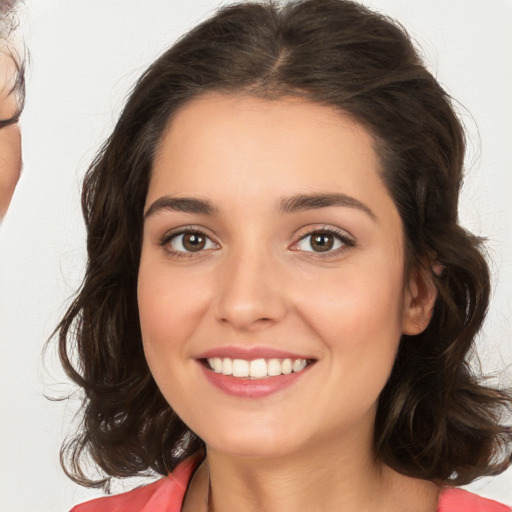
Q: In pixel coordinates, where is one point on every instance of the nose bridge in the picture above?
(249, 294)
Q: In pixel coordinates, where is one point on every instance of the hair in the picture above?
(15, 79)
(435, 418)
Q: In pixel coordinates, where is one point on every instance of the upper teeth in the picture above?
(257, 368)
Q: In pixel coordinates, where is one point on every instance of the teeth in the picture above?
(256, 368)
(286, 366)
(274, 367)
(216, 364)
(227, 366)
(298, 365)
(240, 368)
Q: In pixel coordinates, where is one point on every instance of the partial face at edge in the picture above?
(270, 235)
(10, 136)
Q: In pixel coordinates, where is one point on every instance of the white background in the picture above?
(85, 56)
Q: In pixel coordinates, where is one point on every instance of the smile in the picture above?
(256, 368)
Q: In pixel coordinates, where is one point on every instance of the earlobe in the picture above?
(419, 299)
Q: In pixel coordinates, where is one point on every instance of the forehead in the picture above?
(288, 142)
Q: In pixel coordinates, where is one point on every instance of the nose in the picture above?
(251, 296)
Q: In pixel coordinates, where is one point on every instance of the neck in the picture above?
(333, 481)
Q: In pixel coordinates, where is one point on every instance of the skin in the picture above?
(259, 283)
(10, 136)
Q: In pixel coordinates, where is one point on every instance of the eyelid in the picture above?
(169, 235)
(176, 238)
(347, 240)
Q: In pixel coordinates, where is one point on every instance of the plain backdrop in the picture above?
(85, 55)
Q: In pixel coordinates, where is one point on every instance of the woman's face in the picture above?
(10, 137)
(271, 246)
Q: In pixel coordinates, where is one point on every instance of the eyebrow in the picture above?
(304, 202)
(182, 204)
(297, 203)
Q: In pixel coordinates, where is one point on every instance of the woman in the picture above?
(278, 290)
(12, 97)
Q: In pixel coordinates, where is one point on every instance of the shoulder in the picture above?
(459, 500)
(164, 495)
(137, 500)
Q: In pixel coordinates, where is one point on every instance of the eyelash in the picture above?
(346, 241)
(170, 236)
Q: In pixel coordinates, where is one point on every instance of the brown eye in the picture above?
(322, 242)
(190, 241)
(194, 242)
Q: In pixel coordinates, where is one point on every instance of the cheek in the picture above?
(159, 310)
(357, 299)
(162, 312)
(169, 302)
(10, 163)
(358, 318)
(358, 315)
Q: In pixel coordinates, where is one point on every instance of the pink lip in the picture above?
(250, 353)
(251, 388)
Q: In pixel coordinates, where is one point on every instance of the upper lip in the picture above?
(250, 353)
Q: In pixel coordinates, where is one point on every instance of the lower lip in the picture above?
(251, 388)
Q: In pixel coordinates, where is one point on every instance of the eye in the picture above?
(323, 241)
(188, 242)
(319, 242)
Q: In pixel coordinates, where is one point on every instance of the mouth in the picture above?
(253, 369)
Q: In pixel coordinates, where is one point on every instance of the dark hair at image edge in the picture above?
(435, 420)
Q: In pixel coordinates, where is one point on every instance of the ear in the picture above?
(419, 299)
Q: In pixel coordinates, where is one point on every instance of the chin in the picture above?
(255, 440)
(260, 448)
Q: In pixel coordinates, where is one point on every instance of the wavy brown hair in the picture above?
(435, 419)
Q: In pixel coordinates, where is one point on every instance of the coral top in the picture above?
(166, 495)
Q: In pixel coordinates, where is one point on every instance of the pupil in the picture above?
(322, 242)
(194, 242)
